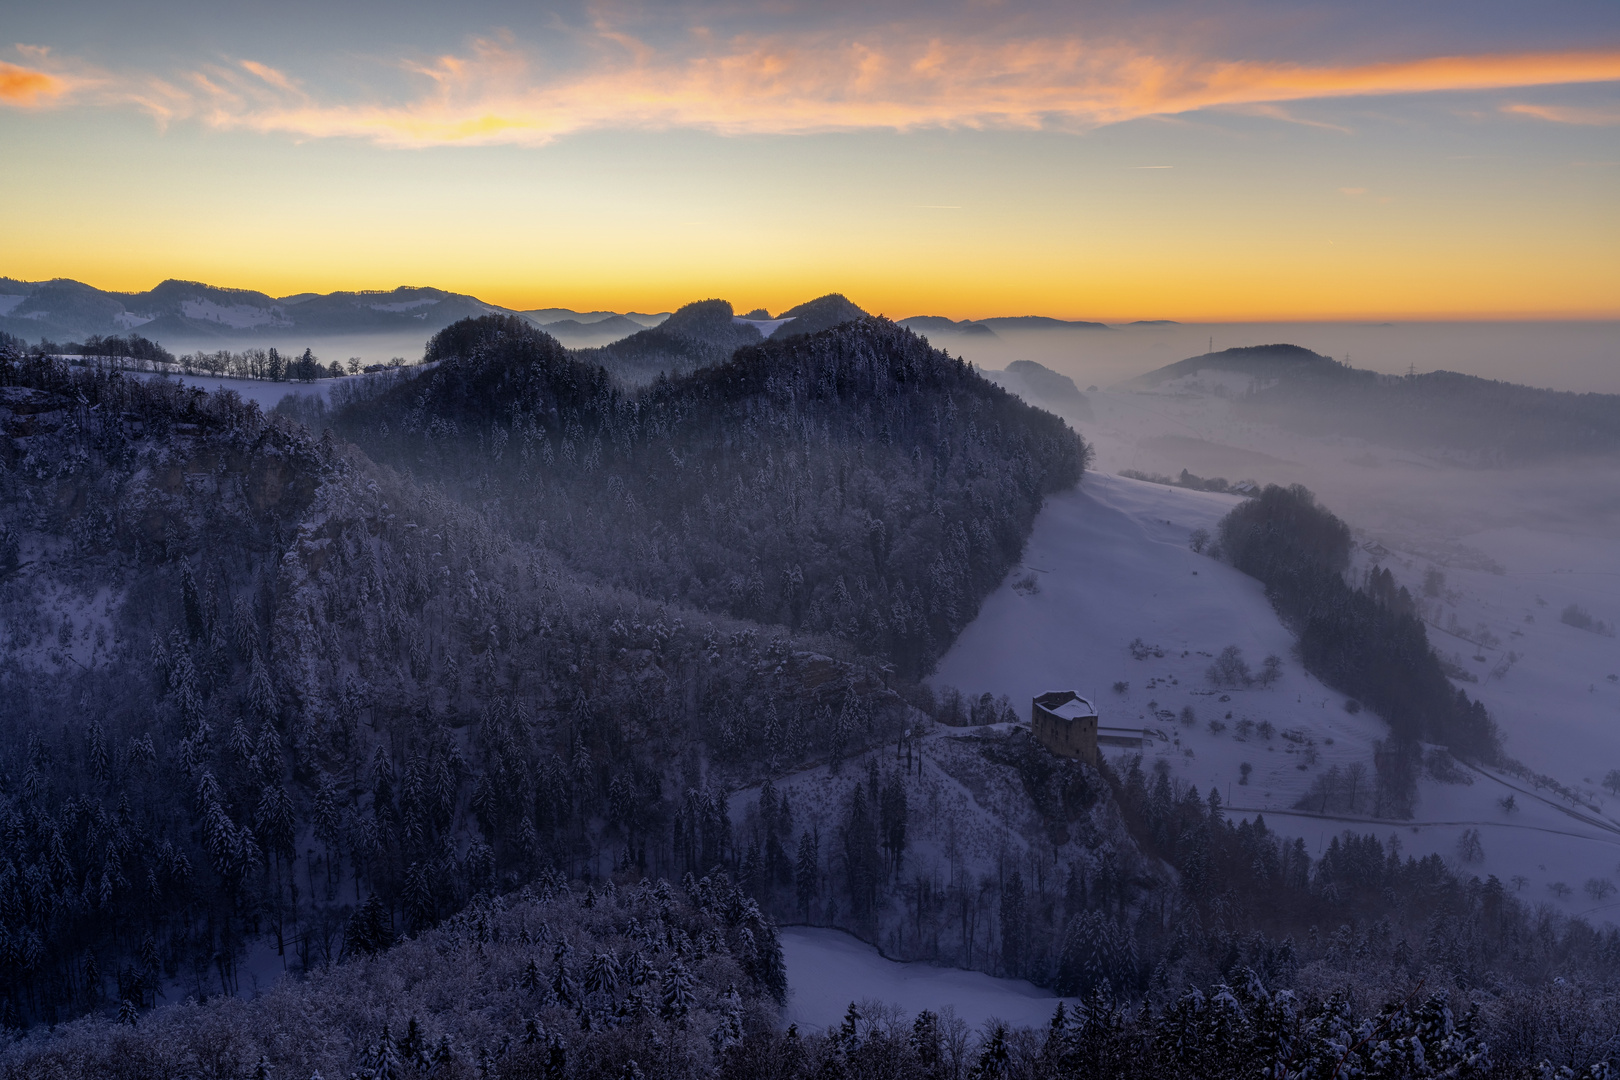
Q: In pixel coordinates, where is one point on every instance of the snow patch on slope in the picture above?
(128, 320)
(236, 316)
(404, 305)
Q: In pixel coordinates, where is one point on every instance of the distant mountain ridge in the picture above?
(64, 309)
(552, 316)
(940, 325)
(194, 312)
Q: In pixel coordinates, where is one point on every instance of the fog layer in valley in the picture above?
(1513, 564)
(1577, 356)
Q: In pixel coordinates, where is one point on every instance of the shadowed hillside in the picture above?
(853, 483)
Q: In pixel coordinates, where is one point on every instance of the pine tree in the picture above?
(863, 866)
(191, 601)
(893, 815)
(1014, 925)
(807, 871)
(678, 998)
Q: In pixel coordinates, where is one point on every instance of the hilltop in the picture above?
(1256, 361)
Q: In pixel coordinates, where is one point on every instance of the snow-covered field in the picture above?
(270, 394)
(829, 969)
(1112, 565)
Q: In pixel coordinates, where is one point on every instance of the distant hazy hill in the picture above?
(1482, 420)
(1040, 322)
(1040, 385)
(553, 315)
(697, 335)
(578, 334)
(1258, 361)
(192, 311)
(939, 325)
(814, 316)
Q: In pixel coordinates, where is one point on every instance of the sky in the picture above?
(1215, 160)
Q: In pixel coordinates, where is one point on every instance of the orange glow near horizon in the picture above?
(952, 173)
(1213, 303)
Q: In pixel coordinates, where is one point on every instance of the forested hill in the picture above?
(253, 685)
(814, 316)
(853, 483)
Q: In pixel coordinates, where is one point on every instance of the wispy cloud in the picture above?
(1271, 111)
(1568, 114)
(26, 87)
(496, 92)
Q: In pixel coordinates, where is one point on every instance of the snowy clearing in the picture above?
(1112, 565)
(828, 969)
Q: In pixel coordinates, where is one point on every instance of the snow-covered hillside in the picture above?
(1109, 564)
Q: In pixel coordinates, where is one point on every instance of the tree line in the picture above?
(1367, 642)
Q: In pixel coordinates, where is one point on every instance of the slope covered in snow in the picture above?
(1109, 565)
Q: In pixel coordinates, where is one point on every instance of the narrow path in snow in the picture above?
(1600, 823)
(1399, 822)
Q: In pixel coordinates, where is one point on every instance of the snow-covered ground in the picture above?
(236, 316)
(1112, 565)
(829, 969)
(267, 394)
(270, 394)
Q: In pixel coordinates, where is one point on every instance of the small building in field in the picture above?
(1066, 724)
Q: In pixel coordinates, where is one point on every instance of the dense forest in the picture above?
(435, 697)
(256, 684)
(854, 484)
